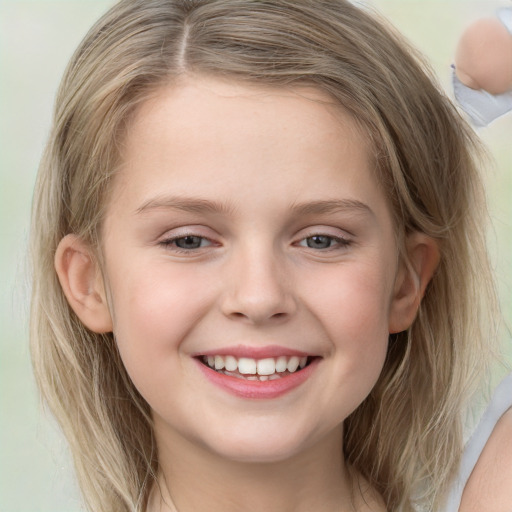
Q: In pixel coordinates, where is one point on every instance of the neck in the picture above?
(194, 479)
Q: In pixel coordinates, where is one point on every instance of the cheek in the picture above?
(354, 312)
(363, 322)
(154, 310)
(355, 304)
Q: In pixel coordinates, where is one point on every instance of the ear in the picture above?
(82, 283)
(412, 279)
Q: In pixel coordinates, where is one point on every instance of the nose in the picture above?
(258, 288)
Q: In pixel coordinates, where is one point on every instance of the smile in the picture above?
(257, 373)
(269, 368)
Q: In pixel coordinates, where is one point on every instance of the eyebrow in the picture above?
(187, 204)
(205, 206)
(332, 206)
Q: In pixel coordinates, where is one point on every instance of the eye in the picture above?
(187, 242)
(322, 242)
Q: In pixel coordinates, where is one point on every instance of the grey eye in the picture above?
(189, 242)
(319, 242)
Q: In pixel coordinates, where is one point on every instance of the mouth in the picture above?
(262, 370)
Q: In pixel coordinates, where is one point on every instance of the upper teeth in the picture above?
(247, 365)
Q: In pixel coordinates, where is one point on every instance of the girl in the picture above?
(260, 276)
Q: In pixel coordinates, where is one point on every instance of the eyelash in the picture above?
(333, 241)
(171, 243)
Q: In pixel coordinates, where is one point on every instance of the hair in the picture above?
(406, 437)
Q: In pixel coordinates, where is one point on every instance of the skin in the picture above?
(483, 59)
(489, 487)
(263, 159)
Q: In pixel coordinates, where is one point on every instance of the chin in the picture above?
(265, 445)
(258, 451)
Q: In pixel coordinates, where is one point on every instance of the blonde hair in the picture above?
(405, 438)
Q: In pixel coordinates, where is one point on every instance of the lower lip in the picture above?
(267, 389)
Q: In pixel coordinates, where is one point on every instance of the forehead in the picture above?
(212, 134)
(196, 101)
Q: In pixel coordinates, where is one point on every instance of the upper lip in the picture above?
(260, 352)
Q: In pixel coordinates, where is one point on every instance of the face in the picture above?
(251, 264)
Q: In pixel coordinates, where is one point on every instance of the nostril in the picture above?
(264, 306)
(237, 314)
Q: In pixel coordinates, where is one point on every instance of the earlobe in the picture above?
(82, 283)
(412, 279)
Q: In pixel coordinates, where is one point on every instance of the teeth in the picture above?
(293, 364)
(266, 366)
(281, 364)
(232, 374)
(230, 363)
(219, 362)
(246, 366)
(255, 369)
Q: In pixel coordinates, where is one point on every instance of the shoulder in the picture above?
(489, 488)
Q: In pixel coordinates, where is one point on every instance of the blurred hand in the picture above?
(484, 56)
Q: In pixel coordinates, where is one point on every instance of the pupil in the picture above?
(189, 242)
(319, 242)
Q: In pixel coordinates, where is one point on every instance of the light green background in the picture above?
(36, 40)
